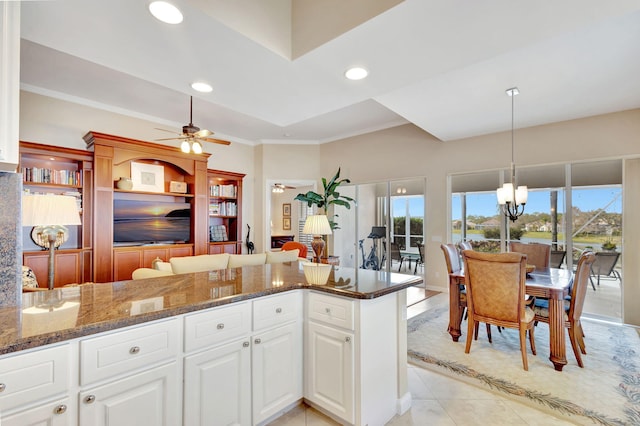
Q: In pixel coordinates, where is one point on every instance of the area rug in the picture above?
(605, 392)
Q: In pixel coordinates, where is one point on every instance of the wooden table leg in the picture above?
(557, 347)
(454, 309)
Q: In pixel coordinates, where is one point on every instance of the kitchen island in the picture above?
(237, 345)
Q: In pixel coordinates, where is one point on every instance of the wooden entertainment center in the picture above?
(214, 198)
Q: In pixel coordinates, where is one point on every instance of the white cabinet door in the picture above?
(277, 370)
(55, 413)
(329, 369)
(217, 386)
(151, 398)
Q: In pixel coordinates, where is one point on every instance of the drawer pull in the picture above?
(2, 387)
(60, 409)
(257, 341)
(347, 339)
(134, 350)
(278, 310)
(220, 326)
(89, 399)
(245, 344)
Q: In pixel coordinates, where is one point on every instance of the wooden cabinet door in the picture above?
(180, 251)
(149, 255)
(151, 398)
(329, 369)
(276, 370)
(67, 267)
(125, 262)
(217, 386)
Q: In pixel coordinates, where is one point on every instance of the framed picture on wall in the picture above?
(286, 209)
(286, 223)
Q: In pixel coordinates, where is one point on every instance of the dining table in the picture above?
(411, 255)
(551, 283)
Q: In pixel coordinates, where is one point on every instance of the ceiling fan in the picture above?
(279, 187)
(192, 136)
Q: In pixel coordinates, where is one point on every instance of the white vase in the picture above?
(125, 183)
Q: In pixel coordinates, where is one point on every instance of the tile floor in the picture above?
(437, 399)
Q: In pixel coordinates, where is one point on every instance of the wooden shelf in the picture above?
(50, 185)
(171, 194)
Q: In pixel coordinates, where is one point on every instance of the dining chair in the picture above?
(292, 245)
(454, 266)
(538, 254)
(496, 295)
(573, 307)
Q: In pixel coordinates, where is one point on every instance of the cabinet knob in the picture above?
(347, 339)
(134, 350)
(89, 399)
(327, 310)
(278, 310)
(220, 326)
(245, 344)
(2, 387)
(257, 341)
(60, 409)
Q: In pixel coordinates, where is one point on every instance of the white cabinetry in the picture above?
(352, 365)
(148, 398)
(276, 354)
(34, 387)
(329, 369)
(131, 377)
(254, 350)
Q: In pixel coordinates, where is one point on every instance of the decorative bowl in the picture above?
(530, 268)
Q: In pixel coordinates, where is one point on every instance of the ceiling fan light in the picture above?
(201, 87)
(196, 147)
(185, 147)
(165, 12)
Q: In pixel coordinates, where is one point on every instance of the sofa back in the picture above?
(201, 263)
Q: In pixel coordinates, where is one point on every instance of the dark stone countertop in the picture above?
(62, 314)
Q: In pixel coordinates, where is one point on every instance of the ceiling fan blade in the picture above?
(168, 131)
(203, 133)
(177, 138)
(219, 141)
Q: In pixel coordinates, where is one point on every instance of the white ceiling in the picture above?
(442, 65)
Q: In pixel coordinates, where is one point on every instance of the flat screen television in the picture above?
(151, 222)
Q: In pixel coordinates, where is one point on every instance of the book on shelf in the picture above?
(58, 177)
(227, 208)
(229, 191)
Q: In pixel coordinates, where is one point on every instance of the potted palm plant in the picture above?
(329, 197)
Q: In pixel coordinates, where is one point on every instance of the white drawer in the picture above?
(33, 376)
(124, 351)
(331, 310)
(216, 326)
(276, 310)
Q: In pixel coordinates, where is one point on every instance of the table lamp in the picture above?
(49, 214)
(317, 225)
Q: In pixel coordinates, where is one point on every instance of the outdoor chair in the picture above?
(573, 307)
(538, 254)
(496, 295)
(557, 258)
(454, 266)
(465, 245)
(419, 261)
(396, 255)
(604, 265)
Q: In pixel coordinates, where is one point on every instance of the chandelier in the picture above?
(512, 198)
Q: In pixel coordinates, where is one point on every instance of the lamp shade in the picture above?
(44, 210)
(317, 224)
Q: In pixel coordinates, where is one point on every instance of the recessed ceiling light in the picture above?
(165, 12)
(356, 73)
(201, 87)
